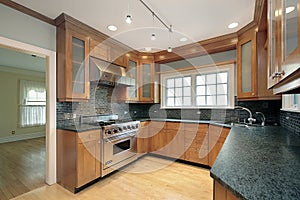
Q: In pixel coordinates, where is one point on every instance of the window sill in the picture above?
(187, 108)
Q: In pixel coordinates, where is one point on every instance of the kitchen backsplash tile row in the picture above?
(290, 121)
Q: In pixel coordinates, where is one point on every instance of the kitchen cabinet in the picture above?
(221, 193)
(283, 45)
(252, 67)
(157, 137)
(72, 63)
(142, 138)
(196, 143)
(141, 68)
(78, 158)
(216, 138)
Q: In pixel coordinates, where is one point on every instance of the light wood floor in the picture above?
(153, 179)
(22, 167)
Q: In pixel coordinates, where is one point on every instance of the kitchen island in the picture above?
(259, 163)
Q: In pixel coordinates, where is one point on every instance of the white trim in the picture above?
(193, 72)
(51, 100)
(22, 71)
(22, 137)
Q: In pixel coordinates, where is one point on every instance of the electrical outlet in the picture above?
(13, 132)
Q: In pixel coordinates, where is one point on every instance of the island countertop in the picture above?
(260, 163)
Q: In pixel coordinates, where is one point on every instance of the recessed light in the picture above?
(233, 25)
(112, 28)
(289, 9)
(183, 39)
(148, 48)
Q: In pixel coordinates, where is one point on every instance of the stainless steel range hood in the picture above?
(106, 73)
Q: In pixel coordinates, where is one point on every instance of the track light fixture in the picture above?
(128, 19)
(153, 37)
(169, 49)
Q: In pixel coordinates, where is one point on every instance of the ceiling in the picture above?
(20, 60)
(196, 20)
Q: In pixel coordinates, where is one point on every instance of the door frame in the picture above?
(51, 100)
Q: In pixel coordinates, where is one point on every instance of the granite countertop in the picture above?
(260, 163)
(87, 127)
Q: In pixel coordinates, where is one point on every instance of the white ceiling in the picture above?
(194, 19)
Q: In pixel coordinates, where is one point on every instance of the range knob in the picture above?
(120, 129)
(133, 127)
(128, 127)
(115, 130)
(108, 132)
(124, 127)
(136, 126)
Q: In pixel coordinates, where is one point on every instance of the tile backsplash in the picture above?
(291, 121)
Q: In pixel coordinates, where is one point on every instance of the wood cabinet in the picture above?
(78, 158)
(72, 63)
(142, 138)
(141, 68)
(196, 143)
(252, 67)
(221, 193)
(283, 45)
(216, 138)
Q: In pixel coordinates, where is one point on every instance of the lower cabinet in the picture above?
(221, 193)
(197, 143)
(78, 158)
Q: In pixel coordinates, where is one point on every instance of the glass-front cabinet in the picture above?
(283, 46)
(146, 81)
(247, 71)
(132, 72)
(72, 63)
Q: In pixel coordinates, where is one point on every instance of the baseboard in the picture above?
(22, 137)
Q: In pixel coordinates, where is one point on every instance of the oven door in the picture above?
(116, 151)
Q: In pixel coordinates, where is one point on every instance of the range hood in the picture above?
(106, 73)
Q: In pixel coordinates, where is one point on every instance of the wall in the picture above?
(291, 121)
(21, 27)
(9, 90)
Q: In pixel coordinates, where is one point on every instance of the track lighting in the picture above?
(169, 49)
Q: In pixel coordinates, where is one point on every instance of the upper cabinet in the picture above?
(141, 68)
(252, 66)
(72, 63)
(283, 46)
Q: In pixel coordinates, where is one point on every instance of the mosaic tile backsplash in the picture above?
(291, 121)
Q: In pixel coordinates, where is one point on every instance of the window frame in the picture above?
(288, 103)
(193, 73)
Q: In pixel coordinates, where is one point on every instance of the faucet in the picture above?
(263, 118)
(250, 119)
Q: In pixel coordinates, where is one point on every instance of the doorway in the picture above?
(50, 56)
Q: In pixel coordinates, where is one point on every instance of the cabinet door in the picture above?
(246, 66)
(79, 65)
(146, 85)
(196, 143)
(217, 137)
(174, 140)
(290, 38)
(132, 72)
(142, 138)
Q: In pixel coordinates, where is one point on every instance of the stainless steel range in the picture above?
(119, 145)
(118, 141)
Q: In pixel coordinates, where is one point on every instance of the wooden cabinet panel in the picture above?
(78, 158)
(142, 138)
(99, 50)
(221, 193)
(88, 165)
(196, 143)
(217, 136)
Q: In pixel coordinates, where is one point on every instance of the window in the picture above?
(32, 106)
(291, 102)
(211, 87)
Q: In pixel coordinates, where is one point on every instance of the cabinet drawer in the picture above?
(195, 127)
(88, 136)
(174, 125)
(157, 125)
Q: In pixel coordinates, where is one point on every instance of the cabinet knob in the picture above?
(277, 74)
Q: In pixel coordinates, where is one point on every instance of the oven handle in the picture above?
(117, 140)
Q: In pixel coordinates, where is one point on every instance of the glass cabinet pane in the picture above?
(290, 30)
(132, 73)
(78, 65)
(146, 80)
(246, 63)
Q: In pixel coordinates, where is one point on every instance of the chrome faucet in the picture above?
(263, 118)
(250, 119)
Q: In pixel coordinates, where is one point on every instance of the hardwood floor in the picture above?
(149, 178)
(22, 167)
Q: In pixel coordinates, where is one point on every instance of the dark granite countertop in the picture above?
(78, 127)
(260, 163)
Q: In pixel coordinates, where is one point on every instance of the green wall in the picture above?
(9, 101)
(24, 28)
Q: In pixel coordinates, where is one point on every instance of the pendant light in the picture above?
(153, 36)
(170, 32)
(128, 17)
